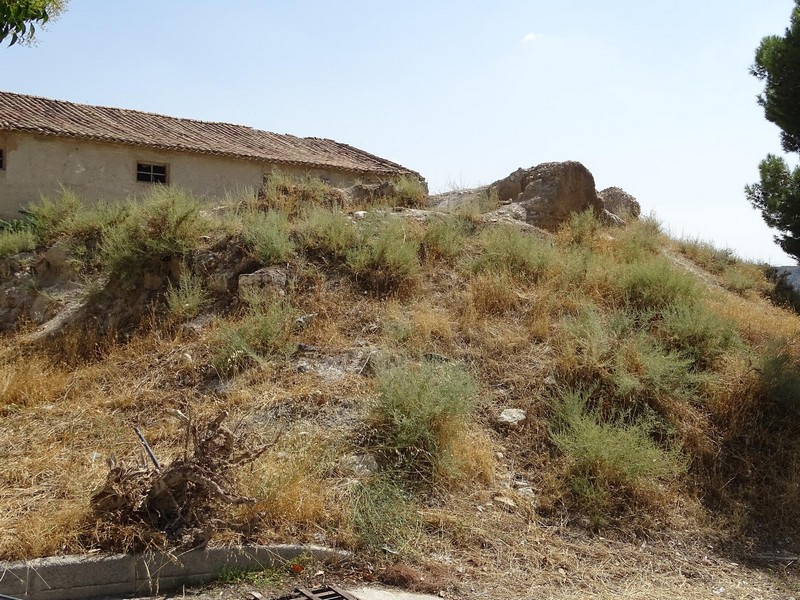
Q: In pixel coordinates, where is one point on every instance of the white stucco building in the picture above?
(106, 153)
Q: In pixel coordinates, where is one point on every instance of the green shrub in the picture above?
(581, 227)
(646, 373)
(14, 242)
(698, 333)
(419, 413)
(166, 223)
(638, 241)
(264, 331)
(186, 300)
(409, 191)
(268, 235)
(509, 250)
(478, 203)
(608, 456)
(326, 234)
(654, 285)
(444, 237)
(386, 258)
(296, 196)
(620, 358)
(740, 279)
(780, 382)
(47, 216)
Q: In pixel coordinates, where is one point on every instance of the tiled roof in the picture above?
(66, 119)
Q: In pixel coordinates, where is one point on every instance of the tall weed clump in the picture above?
(187, 299)
(420, 414)
(445, 238)
(409, 192)
(506, 249)
(295, 196)
(735, 274)
(654, 284)
(16, 241)
(779, 373)
(268, 235)
(381, 513)
(699, 334)
(327, 234)
(265, 331)
(386, 257)
(612, 462)
(69, 216)
(167, 223)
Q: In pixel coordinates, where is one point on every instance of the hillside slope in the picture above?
(453, 395)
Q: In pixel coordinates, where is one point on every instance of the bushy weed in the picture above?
(295, 196)
(654, 285)
(638, 241)
(609, 458)
(15, 242)
(506, 249)
(382, 514)
(187, 299)
(420, 412)
(698, 333)
(268, 235)
(706, 255)
(167, 223)
(493, 293)
(779, 373)
(69, 216)
(445, 238)
(409, 192)
(581, 228)
(386, 257)
(327, 234)
(264, 331)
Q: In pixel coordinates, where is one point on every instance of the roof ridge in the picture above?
(129, 110)
(63, 118)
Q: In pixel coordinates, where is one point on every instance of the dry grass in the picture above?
(590, 308)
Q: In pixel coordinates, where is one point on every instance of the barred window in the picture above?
(151, 173)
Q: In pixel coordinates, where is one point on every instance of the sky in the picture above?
(655, 98)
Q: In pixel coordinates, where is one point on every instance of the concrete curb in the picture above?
(79, 577)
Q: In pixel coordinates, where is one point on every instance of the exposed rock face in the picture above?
(620, 202)
(551, 192)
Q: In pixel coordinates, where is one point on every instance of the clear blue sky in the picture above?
(652, 97)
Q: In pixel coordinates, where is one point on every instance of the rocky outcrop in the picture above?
(620, 202)
(551, 192)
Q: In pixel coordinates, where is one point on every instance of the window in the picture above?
(2, 160)
(151, 173)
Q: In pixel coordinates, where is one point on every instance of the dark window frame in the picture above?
(152, 173)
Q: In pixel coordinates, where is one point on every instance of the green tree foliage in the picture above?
(17, 17)
(777, 195)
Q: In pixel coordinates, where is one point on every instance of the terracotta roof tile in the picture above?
(43, 116)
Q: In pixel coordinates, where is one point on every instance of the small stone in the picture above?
(360, 464)
(359, 214)
(511, 417)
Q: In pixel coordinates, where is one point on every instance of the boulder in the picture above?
(551, 192)
(619, 202)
